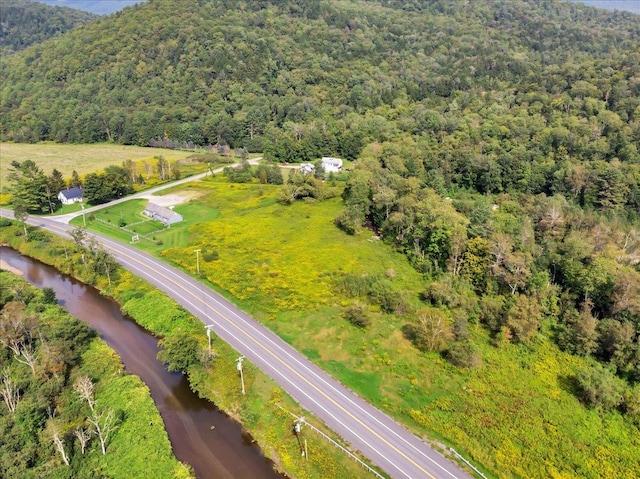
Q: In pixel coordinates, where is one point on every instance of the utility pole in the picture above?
(198, 260)
(84, 221)
(297, 429)
(209, 327)
(239, 367)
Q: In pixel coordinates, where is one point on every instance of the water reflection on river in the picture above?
(200, 434)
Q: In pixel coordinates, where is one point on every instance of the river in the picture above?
(200, 434)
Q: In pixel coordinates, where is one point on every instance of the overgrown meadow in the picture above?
(516, 415)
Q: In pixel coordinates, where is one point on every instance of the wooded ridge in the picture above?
(25, 23)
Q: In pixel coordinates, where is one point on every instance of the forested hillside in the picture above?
(24, 23)
(328, 77)
(99, 7)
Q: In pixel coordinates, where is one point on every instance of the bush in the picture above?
(356, 314)
(349, 220)
(431, 330)
(632, 404)
(385, 295)
(179, 351)
(210, 255)
(49, 296)
(37, 235)
(5, 222)
(356, 285)
(463, 354)
(599, 387)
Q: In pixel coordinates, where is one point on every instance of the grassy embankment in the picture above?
(129, 453)
(258, 411)
(516, 415)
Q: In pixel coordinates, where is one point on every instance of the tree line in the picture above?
(33, 191)
(524, 265)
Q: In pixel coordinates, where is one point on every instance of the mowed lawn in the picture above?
(108, 221)
(82, 158)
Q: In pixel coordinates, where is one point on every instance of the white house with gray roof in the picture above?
(331, 165)
(162, 214)
(70, 196)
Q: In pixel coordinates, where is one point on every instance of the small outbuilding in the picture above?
(162, 214)
(70, 196)
(307, 168)
(331, 165)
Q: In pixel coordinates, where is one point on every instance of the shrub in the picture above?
(179, 350)
(349, 220)
(49, 296)
(356, 314)
(37, 236)
(632, 404)
(5, 222)
(387, 297)
(356, 285)
(599, 387)
(211, 255)
(431, 331)
(463, 354)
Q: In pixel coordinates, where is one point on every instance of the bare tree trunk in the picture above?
(60, 446)
(84, 387)
(104, 424)
(28, 353)
(10, 392)
(106, 129)
(83, 436)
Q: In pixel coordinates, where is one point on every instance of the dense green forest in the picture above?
(68, 409)
(301, 79)
(24, 23)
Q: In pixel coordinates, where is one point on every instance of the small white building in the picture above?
(162, 214)
(70, 196)
(331, 165)
(307, 168)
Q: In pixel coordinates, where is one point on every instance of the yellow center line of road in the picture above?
(286, 365)
(277, 358)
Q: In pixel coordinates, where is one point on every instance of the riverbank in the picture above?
(48, 410)
(7, 267)
(258, 411)
(201, 435)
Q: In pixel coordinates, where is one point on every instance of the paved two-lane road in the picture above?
(378, 437)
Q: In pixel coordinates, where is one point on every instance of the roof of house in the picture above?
(160, 211)
(72, 193)
(331, 160)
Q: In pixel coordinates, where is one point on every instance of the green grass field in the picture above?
(516, 416)
(82, 158)
(107, 221)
